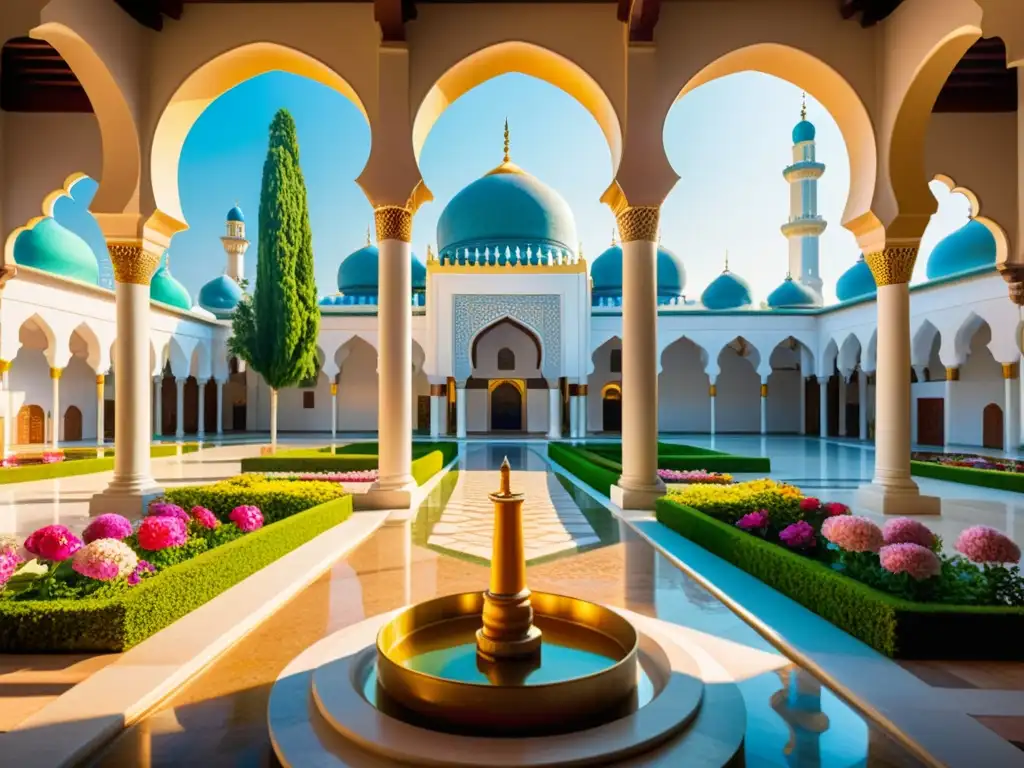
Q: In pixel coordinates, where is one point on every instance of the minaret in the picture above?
(805, 225)
(235, 244)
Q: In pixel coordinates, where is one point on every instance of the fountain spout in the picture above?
(508, 631)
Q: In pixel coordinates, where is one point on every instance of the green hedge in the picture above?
(684, 457)
(893, 626)
(597, 474)
(277, 499)
(116, 624)
(986, 478)
(74, 465)
(428, 459)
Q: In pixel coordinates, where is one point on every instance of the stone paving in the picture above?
(552, 523)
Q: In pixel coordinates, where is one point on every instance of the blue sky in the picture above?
(728, 140)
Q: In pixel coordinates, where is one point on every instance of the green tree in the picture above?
(275, 329)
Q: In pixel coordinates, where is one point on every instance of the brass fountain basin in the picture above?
(590, 677)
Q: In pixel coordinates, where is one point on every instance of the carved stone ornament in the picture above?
(639, 223)
(132, 263)
(892, 266)
(393, 222)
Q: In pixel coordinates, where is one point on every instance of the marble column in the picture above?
(952, 377)
(803, 405)
(554, 413)
(583, 402)
(100, 386)
(9, 415)
(460, 412)
(55, 420)
(713, 397)
(438, 401)
(764, 406)
(842, 404)
(862, 404)
(892, 490)
(334, 410)
(394, 487)
(179, 384)
(201, 416)
(132, 486)
(639, 486)
(1011, 408)
(158, 406)
(823, 407)
(574, 418)
(220, 406)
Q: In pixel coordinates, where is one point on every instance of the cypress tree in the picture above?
(275, 330)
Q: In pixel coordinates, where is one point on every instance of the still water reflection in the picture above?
(220, 718)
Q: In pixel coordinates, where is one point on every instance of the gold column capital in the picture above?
(952, 374)
(892, 266)
(712, 390)
(638, 223)
(1009, 371)
(764, 390)
(133, 262)
(393, 222)
(100, 379)
(334, 390)
(5, 366)
(55, 373)
(582, 389)
(438, 390)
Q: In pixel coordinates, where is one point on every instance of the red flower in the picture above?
(810, 504)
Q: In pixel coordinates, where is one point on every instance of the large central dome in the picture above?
(507, 207)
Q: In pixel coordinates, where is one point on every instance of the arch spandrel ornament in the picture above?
(541, 313)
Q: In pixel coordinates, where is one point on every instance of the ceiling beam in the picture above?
(392, 15)
(871, 11)
(641, 16)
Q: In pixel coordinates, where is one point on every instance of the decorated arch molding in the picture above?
(540, 313)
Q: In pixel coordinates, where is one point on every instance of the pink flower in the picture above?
(141, 570)
(903, 530)
(105, 560)
(108, 526)
(982, 544)
(852, 533)
(753, 521)
(12, 544)
(247, 518)
(913, 559)
(9, 461)
(53, 457)
(8, 565)
(166, 509)
(205, 517)
(158, 532)
(53, 542)
(810, 504)
(834, 508)
(798, 535)
(694, 476)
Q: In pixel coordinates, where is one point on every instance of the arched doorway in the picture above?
(506, 407)
(611, 408)
(72, 423)
(31, 425)
(992, 427)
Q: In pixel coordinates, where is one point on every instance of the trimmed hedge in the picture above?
(893, 626)
(119, 623)
(277, 499)
(598, 475)
(73, 465)
(986, 478)
(428, 459)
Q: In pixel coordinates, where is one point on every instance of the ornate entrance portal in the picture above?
(507, 398)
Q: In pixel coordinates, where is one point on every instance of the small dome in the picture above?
(727, 291)
(792, 294)
(803, 131)
(970, 247)
(166, 289)
(606, 272)
(357, 275)
(220, 296)
(56, 249)
(856, 282)
(235, 214)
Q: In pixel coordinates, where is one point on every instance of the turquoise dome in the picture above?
(508, 208)
(53, 248)
(727, 291)
(165, 288)
(606, 272)
(856, 282)
(357, 275)
(220, 296)
(235, 214)
(803, 131)
(970, 247)
(792, 295)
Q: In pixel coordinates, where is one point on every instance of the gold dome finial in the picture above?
(614, 241)
(430, 253)
(367, 235)
(803, 106)
(507, 158)
(580, 249)
(726, 261)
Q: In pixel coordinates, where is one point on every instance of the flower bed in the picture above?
(698, 476)
(45, 465)
(970, 469)
(355, 476)
(121, 583)
(891, 587)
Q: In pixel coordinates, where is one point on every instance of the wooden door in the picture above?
(992, 427)
(812, 412)
(108, 419)
(611, 411)
(210, 407)
(72, 423)
(423, 413)
(930, 418)
(506, 408)
(31, 425)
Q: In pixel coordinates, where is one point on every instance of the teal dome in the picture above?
(727, 291)
(53, 248)
(165, 288)
(970, 247)
(803, 131)
(220, 296)
(606, 273)
(357, 275)
(792, 295)
(235, 214)
(856, 282)
(506, 208)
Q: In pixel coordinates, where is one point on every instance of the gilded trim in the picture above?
(100, 380)
(639, 223)
(5, 366)
(438, 390)
(334, 390)
(764, 390)
(132, 262)
(393, 222)
(573, 390)
(582, 390)
(1009, 371)
(56, 372)
(952, 374)
(893, 266)
(713, 391)
(611, 390)
(471, 269)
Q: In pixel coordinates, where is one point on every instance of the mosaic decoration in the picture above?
(474, 312)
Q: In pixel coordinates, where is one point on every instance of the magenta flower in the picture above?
(205, 517)
(166, 509)
(53, 457)
(753, 521)
(160, 532)
(810, 504)
(918, 562)
(247, 518)
(982, 544)
(53, 542)
(834, 508)
(8, 565)
(852, 533)
(904, 530)
(798, 535)
(108, 526)
(141, 570)
(105, 560)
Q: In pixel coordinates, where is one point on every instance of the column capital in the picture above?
(952, 373)
(712, 391)
(893, 265)
(764, 390)
(180, 380)
(334, 389)
(55, 373)
(134, 261)
(394, 222)
(582, 390)
(1009, 370)
(5, 366)
(100, 379)
(438, 390)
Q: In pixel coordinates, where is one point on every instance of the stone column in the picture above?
(764, 406)
(394, 487)
(554, 413)
(803, 405)
(9, 415)
(574, 418)
(1011, 408)
(220, 407)
(179, 430)
(713, 395)
(823, 407)
(438, 396)
(460, 412)
(893, 491)
(132, 487)
(158, 406)
(100, 384)
(639, 486)
(862, 404)
(842, 404)
(334, 410)
(201, 424)
(582, 403)
(55, 420)
(952, 376)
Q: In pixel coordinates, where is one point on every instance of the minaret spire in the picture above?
(367, 235)
(614, 240)
(506, 159)
(803, 106)
(726, 260)
(805, 223)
